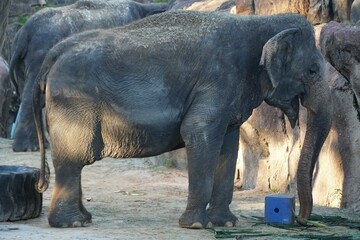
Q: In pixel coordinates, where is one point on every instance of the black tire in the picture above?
(19, 199)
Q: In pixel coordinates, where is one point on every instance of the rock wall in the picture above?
(17, 10)
(316, 11)
(199, 5)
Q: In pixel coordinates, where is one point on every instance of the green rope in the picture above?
(318, 229)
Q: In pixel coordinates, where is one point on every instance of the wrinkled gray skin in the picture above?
(47, 27)
(341, 47)
(172, 80)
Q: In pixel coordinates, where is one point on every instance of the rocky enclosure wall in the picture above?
(19, 10)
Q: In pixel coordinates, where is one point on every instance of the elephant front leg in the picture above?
(66, 208)
(203, 149)
(219, 212)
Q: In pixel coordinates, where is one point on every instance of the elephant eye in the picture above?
(314, 69)
(345, 55)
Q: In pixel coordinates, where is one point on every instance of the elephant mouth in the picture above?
(289, 107)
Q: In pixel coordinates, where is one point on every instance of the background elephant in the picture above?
(155, 85)
(47, 27)
(341, 47)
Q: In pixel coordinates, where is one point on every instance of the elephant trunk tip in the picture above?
(302, 221)
(304, 214)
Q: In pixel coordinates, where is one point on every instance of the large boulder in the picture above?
(316, 11)
(268, 153)
(202, 5)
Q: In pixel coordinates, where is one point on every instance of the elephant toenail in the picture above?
(76, 224)
(229, 224)
(196, 225)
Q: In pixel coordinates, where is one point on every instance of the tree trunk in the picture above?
(4, 12)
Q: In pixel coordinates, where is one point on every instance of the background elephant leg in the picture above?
(218, 211)
(203, 149)
(66, 208)
(25, 137)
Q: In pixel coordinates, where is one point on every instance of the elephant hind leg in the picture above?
(66, 208)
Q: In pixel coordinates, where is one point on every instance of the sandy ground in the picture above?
(135, 199)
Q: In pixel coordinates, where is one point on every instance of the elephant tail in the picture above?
(43, 182)
(38, 104)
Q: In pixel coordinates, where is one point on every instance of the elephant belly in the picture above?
(126, 139)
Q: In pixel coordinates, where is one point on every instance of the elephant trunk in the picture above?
(319, 113)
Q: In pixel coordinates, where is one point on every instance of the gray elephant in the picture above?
(177, 79)
(47, 27)
(341, 47)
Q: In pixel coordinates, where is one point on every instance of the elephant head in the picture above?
(295, 68)
(341, 47)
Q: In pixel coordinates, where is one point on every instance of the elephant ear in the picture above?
(277, 52)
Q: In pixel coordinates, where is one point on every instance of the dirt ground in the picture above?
(136, 199)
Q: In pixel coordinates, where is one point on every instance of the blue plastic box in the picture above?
(280, 209)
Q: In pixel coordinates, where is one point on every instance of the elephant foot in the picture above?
(22, 146)
(24, 143)
(75, 219)
(194, 219)
(222, 218)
